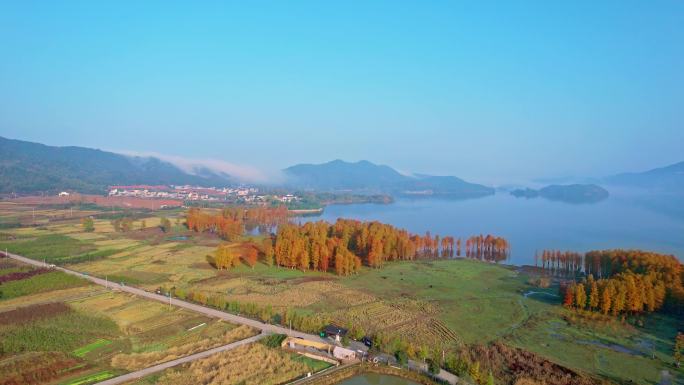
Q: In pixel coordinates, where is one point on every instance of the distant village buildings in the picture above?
(196, 193)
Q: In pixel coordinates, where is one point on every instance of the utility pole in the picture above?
(106, 283)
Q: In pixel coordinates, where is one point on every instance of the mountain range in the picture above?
(665, 179)
(364, 176)
(27, 167)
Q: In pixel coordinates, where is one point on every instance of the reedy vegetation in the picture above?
(253, 364)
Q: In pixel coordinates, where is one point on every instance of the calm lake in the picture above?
(376, 379)
(621, 221)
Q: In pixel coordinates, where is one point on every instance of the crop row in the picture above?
(19, 275)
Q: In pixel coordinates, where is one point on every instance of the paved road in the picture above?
(264, 327)
(268, 328)
(158, 368)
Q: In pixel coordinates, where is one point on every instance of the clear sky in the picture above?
(490, 91)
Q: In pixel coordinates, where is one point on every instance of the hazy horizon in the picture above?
(251, 174)
(495, 94)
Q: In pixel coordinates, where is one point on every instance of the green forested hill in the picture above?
(365, 176)
(27, 167)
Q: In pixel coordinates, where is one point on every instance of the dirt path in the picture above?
(529, 293)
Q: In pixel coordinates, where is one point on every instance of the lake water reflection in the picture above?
(621, 221)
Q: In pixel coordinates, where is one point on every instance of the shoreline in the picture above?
(305, 211)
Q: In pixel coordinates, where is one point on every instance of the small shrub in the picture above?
(401, 356)
(274, 340)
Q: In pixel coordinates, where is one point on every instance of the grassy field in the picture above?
(442, 304)
(313, 365)
(50, 281)
(439, 304)
(478, 301)
(65, 332)
(49, 247)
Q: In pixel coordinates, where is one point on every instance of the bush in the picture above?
(540, 282)
(88, 224)
(401, 356)
(274, 340)
(433, 366)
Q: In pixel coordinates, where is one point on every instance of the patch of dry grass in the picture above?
(284, 293)
(253, 364)
(527, 381)
(164, 260)
(63, 295)
(136, 361)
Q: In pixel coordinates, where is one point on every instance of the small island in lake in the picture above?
(572, 193)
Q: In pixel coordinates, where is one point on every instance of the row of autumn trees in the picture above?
(606, 263)
(624, 293)
(342, 247)
(348, 244)
(629, 282)
(231, 222)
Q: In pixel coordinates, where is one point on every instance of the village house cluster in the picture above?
(243, 194)
(188, 193)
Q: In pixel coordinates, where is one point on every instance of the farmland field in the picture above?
(47, 282)
(446, 303)
(432, 305)
(85, 336)
(253, 364)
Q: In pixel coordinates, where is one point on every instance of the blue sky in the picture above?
(490, 91)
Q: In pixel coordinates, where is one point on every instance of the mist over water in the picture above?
(621, 221)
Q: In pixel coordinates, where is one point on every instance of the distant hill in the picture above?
(572, 193)
(27, 167)
(341, 175)
(364, 176)
(525, 193)
(667, 179)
